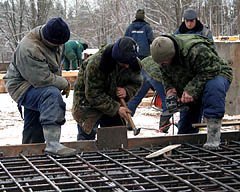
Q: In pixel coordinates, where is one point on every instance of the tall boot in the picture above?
(213, 134)
(52, 137)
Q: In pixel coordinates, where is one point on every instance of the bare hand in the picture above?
(171, 92)
(121, 92)
(186, 98)
(123, 112)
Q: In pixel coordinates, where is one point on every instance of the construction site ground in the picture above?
(146, 116)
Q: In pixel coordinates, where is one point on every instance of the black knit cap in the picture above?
(125, 50)
(56, 31)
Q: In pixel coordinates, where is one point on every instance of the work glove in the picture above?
(66, 91)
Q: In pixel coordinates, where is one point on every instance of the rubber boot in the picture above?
(213, 134)
(164, 123)
(53, 147)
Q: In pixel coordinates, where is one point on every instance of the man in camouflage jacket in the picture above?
(193, 71)
(110, 74)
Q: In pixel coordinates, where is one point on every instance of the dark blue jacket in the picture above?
(142, 33)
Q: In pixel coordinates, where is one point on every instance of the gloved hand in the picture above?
(66, 91)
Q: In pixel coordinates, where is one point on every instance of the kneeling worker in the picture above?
(108, 75)
(193, 72)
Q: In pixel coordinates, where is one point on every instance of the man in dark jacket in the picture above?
(34, 81)
(142, 33)
(191, 25)
(105, 77)
(196, 76)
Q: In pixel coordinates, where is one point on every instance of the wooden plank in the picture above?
(226, 123)
(162, 151)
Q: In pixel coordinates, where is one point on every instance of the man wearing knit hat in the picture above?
(34, 81)
(193, 73)
(142, 33)
(192, 25)
(105, 77)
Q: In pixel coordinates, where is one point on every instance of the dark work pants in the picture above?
(211, 105)
(42, 106)
(148, 82)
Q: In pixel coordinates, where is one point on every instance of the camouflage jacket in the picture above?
(34, 63)
(95, 89)
(152, 68)
(195, 63)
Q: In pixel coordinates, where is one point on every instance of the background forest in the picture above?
(102, 21)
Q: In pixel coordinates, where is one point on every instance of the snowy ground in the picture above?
(11, 125)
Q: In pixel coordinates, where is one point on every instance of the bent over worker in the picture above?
(33, 80)
(72, 55)
(193, 72)
(105, 77)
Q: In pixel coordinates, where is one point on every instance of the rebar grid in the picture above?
(187, 168)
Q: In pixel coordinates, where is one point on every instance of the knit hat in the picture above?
(56, 31)
(140, 14)
(162, 49)
(190, 14)
(125, 50)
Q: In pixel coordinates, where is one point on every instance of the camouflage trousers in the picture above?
(86, 117)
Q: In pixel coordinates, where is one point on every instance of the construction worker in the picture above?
(105, 77)
(33, 80)
(72, 55)
(193, 72)
(191, 25)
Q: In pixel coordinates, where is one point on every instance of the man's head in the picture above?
(56, 31)
(190, 18)
(125, 51)
(162, 50)
(140, 14)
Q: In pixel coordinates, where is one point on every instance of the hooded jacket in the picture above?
(142, 33)
(196, 61)
(34, 63)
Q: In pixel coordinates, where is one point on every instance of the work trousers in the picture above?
(104, 121)
(211, 105)
(42, 106)
(148, 83)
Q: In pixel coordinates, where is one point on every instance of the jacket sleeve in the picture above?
(79, 51)
(36, 71)
(133, 85)
(95, 91)
(206, 65)
(128, 31)
(150, 34)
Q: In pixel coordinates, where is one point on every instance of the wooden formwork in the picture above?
(230, 51)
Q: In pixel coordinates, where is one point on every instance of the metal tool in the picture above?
(174, 106)
(136, 131)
